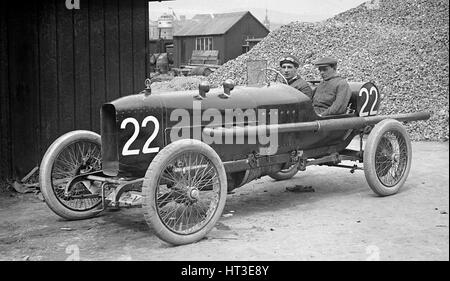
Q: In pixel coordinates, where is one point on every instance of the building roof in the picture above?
(202, 17)
(210, 25)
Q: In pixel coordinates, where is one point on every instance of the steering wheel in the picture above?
(277, 74)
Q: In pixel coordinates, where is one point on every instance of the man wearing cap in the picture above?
(332, 95)
(289, 65)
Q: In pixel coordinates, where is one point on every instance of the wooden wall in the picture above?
(184, 45)
(229, 44)
(57, 66)
(236, 35)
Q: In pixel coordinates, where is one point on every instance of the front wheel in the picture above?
(387, 157)
(184, 190)
(73, 154)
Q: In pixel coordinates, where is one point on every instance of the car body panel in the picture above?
(135, 128)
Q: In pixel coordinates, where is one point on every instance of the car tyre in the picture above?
(175, 186)
(60, 163)
(387, 157)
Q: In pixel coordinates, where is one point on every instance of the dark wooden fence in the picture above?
(57, 66)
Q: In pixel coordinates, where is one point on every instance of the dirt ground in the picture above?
(342, 220)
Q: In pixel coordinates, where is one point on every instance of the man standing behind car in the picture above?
(289, 66)
(333, 94)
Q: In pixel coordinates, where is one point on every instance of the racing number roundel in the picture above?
(368, 100)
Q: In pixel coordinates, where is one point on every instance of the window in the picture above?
(203, 43)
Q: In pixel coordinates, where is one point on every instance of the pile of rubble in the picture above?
(401, 46)
(179, 83)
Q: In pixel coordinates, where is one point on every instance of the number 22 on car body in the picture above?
(146, 149)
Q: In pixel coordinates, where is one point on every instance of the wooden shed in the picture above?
(225, 33)
(58, 65)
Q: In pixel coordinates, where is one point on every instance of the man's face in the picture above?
(288, 70)
(326, 71)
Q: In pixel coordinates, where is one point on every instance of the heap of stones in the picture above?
(401, 46)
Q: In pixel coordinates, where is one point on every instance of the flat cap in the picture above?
(289, 59)
(325, 61)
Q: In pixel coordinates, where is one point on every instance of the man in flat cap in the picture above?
(289, 65)
(333, 94)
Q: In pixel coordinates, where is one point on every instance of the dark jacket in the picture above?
(301, 85)
(332, 96)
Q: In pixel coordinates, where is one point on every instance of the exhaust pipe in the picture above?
(315, 126)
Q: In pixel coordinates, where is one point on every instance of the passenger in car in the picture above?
(289, 66)
(333, 94)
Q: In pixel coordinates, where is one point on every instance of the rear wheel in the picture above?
(184, 191)
(71, 155)
(387, 157)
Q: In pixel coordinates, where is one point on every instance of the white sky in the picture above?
(284, 10)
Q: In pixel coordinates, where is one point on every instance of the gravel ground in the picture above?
(341, 220)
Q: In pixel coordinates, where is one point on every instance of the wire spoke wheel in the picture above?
(190, 193)
(387, 157)
(184, 191)
(76, 159)
(391, 158)
(71, 155)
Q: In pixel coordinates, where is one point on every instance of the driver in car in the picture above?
(289, 66)
(332, 95)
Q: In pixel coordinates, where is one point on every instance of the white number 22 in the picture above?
(373, 91)
(146, 149)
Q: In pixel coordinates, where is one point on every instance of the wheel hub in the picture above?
(193, 193)
(395, 158)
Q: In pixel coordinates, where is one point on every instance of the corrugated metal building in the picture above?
(225, 33)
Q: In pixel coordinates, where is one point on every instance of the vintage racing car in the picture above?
(184, 151)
